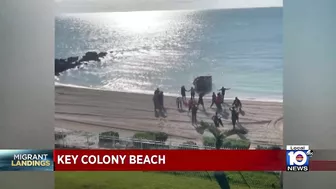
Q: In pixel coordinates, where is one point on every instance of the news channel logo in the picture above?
(298, 158)
(26, 160)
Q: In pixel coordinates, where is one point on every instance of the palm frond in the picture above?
(219, 136)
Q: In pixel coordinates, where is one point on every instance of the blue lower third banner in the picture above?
(26, 160)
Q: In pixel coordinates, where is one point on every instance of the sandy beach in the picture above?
(96, 111)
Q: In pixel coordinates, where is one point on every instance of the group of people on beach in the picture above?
(217, 99)
(193, 104)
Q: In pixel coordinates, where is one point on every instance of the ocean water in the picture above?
(240, 48)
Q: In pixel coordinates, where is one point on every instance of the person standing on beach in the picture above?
(157, 91)
(183, 92)
(179, 103)
(191, 103)
(161, 101)
(219, 102)
(234, 116)
(192, 92)
(194, 114)
(213, 101)
(217, 120)
(155, 102)
(223, 90)
(200, 100)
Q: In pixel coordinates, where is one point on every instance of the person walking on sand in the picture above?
(190, 104)
(192, 92)
(237, 103)
(194, 114)
(234, 116)
(213, 101)
(219, 98)
(179, 103)
(223, 90)
(217, 120)
(200, 100)
(219, 102)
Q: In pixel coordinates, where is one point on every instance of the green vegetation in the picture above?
(59, 135)
(256, 180)
(108, 139)
(227, 143)
(273, 147)
(153, 136)
(220, 140)
(188, 145)
(109, 136)
(150, 140)
(161, 180)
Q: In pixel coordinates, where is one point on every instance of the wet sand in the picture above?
(94, 111)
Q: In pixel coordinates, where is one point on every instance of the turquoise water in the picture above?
(240, 48)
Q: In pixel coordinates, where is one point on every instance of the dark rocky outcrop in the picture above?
(203, 84)
(62, 65)
(102, 54)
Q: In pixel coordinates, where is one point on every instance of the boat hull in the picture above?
(203, 84)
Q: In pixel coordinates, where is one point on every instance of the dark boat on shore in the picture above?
(203, 84)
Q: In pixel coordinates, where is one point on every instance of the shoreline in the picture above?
(166, 94)
(94, 111)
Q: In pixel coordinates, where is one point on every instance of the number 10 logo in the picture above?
(297, 158)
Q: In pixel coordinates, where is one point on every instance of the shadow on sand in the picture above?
(225, 114)
(226, 104)
(208, 114)
(241, 131)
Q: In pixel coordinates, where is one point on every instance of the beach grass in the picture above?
(228, 143)
(161, 180)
